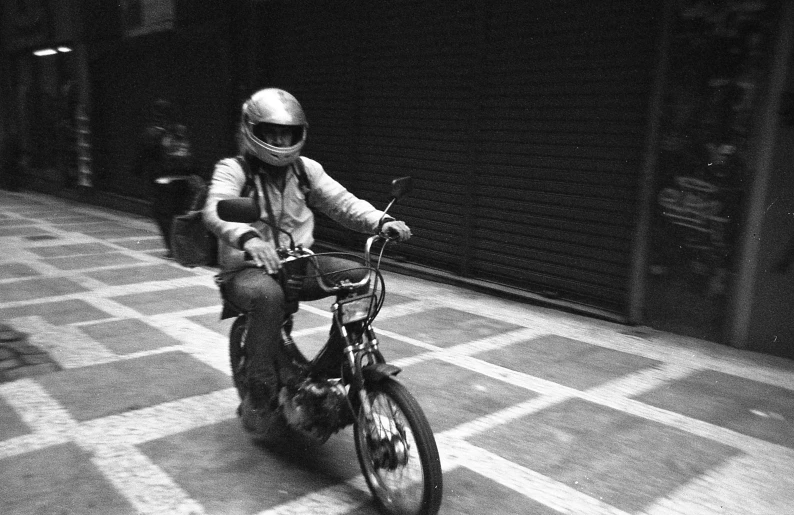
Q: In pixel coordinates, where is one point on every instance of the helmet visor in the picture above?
(281, 136)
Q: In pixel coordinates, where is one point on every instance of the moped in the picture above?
(349, 381)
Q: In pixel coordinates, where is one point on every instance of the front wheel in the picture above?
(397, 452)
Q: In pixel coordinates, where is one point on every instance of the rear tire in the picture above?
(237, 355)
(397, 452)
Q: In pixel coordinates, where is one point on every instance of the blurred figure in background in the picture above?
(165, 160)
(178, 154)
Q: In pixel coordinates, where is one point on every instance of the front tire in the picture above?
(397, 452)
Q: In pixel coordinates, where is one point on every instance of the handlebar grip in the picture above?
(395, 236)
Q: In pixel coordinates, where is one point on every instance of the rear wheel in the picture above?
(397, 452)
(237, 355)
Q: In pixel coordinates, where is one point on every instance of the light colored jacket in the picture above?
(289, 208)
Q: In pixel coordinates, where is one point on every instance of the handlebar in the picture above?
(291, 256)
(248, 210)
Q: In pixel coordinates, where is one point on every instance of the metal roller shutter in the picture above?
(522, 123)
(565, 90)
(386, 92)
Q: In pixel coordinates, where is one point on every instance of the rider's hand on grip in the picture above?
(263, 254)
(396, 230)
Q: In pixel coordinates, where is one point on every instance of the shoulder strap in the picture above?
(303, 178)
(250, 185)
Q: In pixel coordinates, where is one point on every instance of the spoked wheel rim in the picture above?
(390, 458)
(237, 356)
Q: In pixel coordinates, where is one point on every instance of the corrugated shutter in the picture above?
(386, 92)
(522, 123)
(416, 111)
(565, 93)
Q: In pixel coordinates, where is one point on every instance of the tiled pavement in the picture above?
(535, 411)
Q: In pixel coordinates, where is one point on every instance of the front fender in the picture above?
(379, 371)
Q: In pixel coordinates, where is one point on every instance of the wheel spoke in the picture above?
(401, 483)
(401, 465)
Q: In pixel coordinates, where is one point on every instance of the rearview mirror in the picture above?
(401, 187)
(243, 209)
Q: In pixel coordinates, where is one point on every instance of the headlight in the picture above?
(355, 309)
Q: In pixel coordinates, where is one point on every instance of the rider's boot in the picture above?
(259, 409)
(261, 401)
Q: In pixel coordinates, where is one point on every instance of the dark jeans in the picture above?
(253, 291)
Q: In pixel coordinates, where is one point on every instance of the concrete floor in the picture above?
(534, 410)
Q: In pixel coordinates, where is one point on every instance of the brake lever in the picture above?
(386, 237)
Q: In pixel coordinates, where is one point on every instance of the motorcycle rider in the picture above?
(272, 132)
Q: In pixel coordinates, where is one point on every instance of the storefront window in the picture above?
(50, 110)
(718, 61)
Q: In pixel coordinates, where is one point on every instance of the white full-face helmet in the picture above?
(272, 106)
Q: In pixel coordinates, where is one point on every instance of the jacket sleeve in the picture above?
(332, 199)
(228, 181)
